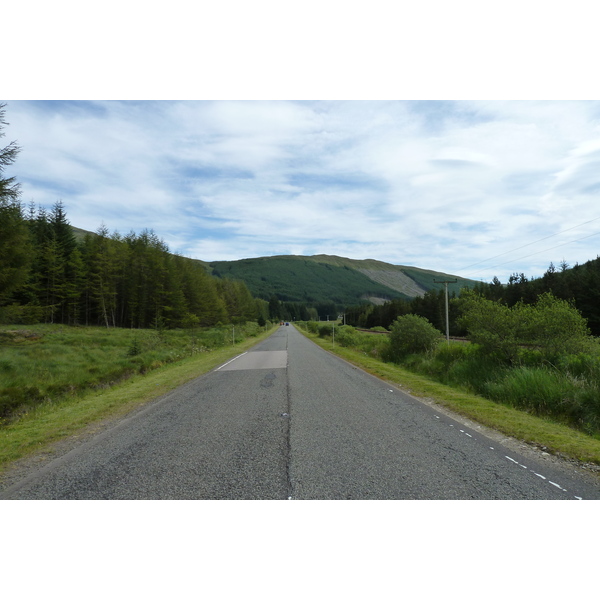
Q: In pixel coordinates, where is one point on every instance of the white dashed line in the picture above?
(558, 486)
(520, 465)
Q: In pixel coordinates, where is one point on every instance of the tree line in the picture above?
(110, 279)
(431, 306)
(579, 285)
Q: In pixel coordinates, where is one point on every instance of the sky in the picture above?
(471, 188)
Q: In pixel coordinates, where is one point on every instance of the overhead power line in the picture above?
(531, 244)
(540, 252)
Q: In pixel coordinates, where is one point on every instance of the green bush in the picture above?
(345, 335)
(313, 326)
(325, 330)
(411, 334)
(551, 326)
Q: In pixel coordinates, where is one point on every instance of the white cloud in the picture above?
(440, 185)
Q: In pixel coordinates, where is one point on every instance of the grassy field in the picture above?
(544, 433)
(79, 376)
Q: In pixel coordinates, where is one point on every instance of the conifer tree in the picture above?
(9, 188)
(15, 246)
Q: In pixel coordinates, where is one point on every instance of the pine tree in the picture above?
(75, 286)
(15, 246)
(102, 271)
(16, 250)
(9, 188)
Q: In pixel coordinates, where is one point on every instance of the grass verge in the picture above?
(555, 438)
(48, 423)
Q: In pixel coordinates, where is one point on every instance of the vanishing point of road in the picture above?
(288, 420)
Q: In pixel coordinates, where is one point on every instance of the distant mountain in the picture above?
(322, 278)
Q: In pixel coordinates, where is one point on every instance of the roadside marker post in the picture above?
(447, 317)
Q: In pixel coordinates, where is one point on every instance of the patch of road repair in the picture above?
(267, 359)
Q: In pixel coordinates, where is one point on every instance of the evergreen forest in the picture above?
(47, 275)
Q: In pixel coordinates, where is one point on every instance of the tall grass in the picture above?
(568, 392)
(373, 344)
(49, 362)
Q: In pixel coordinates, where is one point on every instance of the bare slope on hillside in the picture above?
(410, 281)
(396, 280)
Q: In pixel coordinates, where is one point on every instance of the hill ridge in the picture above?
(332, 278)
(326, 278)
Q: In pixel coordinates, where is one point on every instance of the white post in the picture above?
(447, 317)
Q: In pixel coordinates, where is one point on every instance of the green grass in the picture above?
(47, 362)
(41, 423)
(556, 437)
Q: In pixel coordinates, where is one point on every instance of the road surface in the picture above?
(288, 420)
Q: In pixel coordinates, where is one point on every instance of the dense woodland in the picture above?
(108, 279)
(579, 285)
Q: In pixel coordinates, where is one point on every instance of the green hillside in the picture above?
(409, 281)
(300, 279)
(323, 278)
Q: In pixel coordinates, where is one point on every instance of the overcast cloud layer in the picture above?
(468, 188)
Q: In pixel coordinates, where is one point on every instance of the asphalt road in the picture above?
(288, 420)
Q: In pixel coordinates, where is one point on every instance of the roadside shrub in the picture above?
(345, 335)
(373, 345)
(312, 326)
(551, 326)
(325, 330)
(580, 365)
(411, 334)
(250, 328)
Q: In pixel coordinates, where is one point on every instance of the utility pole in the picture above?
(447, 317)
